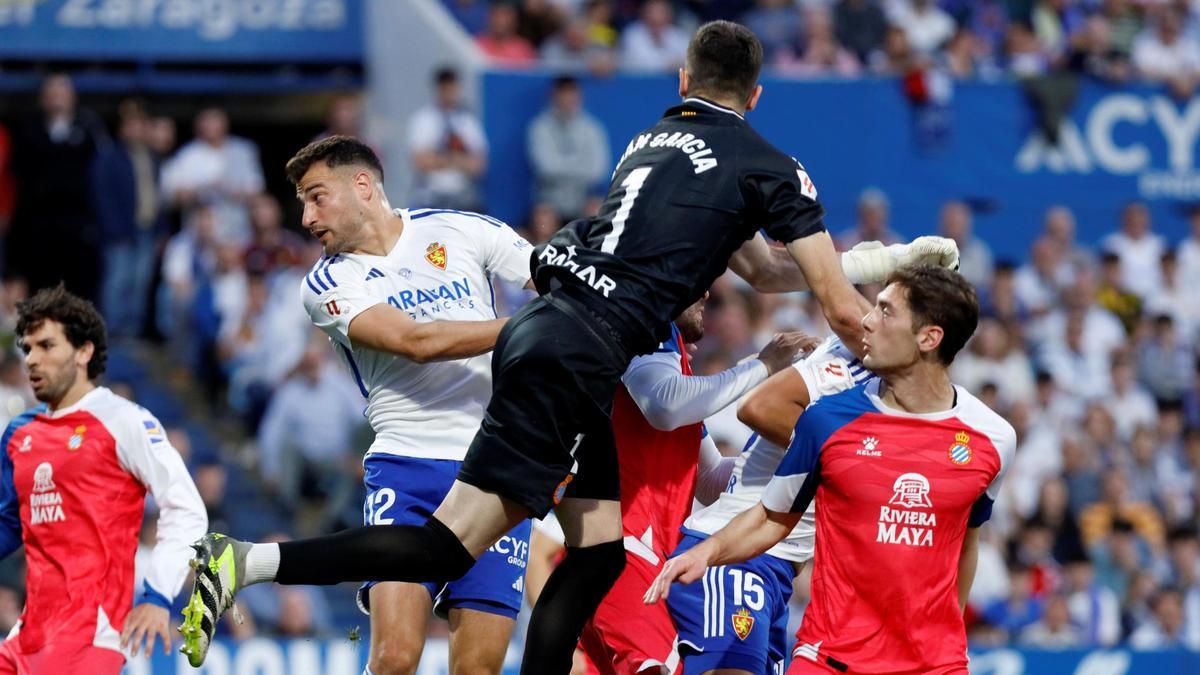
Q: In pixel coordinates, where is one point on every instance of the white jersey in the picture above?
(830, 368)
(440, 269)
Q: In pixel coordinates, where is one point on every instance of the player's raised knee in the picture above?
(394, 657)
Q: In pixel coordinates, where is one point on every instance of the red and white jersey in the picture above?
(658, 470)
(73, 485)
(897, 492)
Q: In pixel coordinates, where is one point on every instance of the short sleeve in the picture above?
(829, 369)
(1005, 442)
(782, 198)
(334, 292)
(794, 482)
(506, 253)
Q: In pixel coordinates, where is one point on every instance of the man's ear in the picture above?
(753, 100)
(83, 355)
(929, 338)
(364, 184)
(684, 82)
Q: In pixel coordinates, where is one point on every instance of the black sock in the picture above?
(571, 596)
(413, 553)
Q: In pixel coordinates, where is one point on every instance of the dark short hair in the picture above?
(79, 318)
(335, 151)
(723, 59)
(445, 75)
(942, 298)
(565, 82)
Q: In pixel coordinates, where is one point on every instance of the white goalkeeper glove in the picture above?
(871, 261)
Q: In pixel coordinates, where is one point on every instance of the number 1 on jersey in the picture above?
(633, 185)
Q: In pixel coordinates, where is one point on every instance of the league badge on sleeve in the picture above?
(960, 452)
(436, 255)
(743, 623)
(153, 431)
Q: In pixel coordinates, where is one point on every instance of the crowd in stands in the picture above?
(1113, 40)
(1091, 351)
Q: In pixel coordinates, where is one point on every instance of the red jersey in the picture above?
(72, 490)
(658, 471)
(896, 494)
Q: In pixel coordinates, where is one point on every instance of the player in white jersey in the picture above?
(426, 395)
(761, 587)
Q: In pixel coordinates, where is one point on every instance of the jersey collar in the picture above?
(697, 104)
(871, 389)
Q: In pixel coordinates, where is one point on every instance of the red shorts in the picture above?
(626, 636)
(803, 666)
(54, 659)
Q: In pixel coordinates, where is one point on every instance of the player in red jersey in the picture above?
(904, 469)
(74, 473)
(666, 459)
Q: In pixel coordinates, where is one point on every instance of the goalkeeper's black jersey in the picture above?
(686, 194)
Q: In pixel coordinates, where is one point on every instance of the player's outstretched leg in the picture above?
(220, 566)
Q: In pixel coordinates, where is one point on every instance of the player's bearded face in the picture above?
(54, 364)
(332, 209)
(889, 340)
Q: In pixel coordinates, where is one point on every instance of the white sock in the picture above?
(262, 563)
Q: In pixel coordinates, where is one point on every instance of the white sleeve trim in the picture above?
(669, 399)
(780, 494)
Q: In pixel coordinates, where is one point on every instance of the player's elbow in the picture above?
(661, 416)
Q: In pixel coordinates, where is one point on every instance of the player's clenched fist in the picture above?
(685, 569)
(783, 348)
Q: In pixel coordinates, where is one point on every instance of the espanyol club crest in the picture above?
(436, 255)
(76, 440)
(960, 452)
(743, 623)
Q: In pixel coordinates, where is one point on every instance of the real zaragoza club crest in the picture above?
(436, 255)
(743, 623)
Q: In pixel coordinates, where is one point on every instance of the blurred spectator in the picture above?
(1124, 21)
(777, 24)
(992, 357)
(966, 58)
(1189, 254)
(1026, 58)
(654, 42)
(873, 208)
(1165, 364)
(568, 150)
(860, 26)
(1163, 54)
(1130, 405)
(925, 24)
(896, 57)
(15, 394)
(1095, 609)
(1112, 294)
(216, 171)
(500, 41)
(344, 118)
(821, 56)
(1054, 629)
(449, 149)
(1020, 609)
(272, 248)
(974, 255)
(1165, 630)
(1077, 369)
(999, 301)
(538, 20)
(161, 135)
(1173, 299)
(1102, 332)
(307, 435)
(125, 187)
(1058, 225)
(1094, 53)
(574, 50)
(54, 235)
(1139, 249)
(1117, 503)
(599, 15)
(1053, 22)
